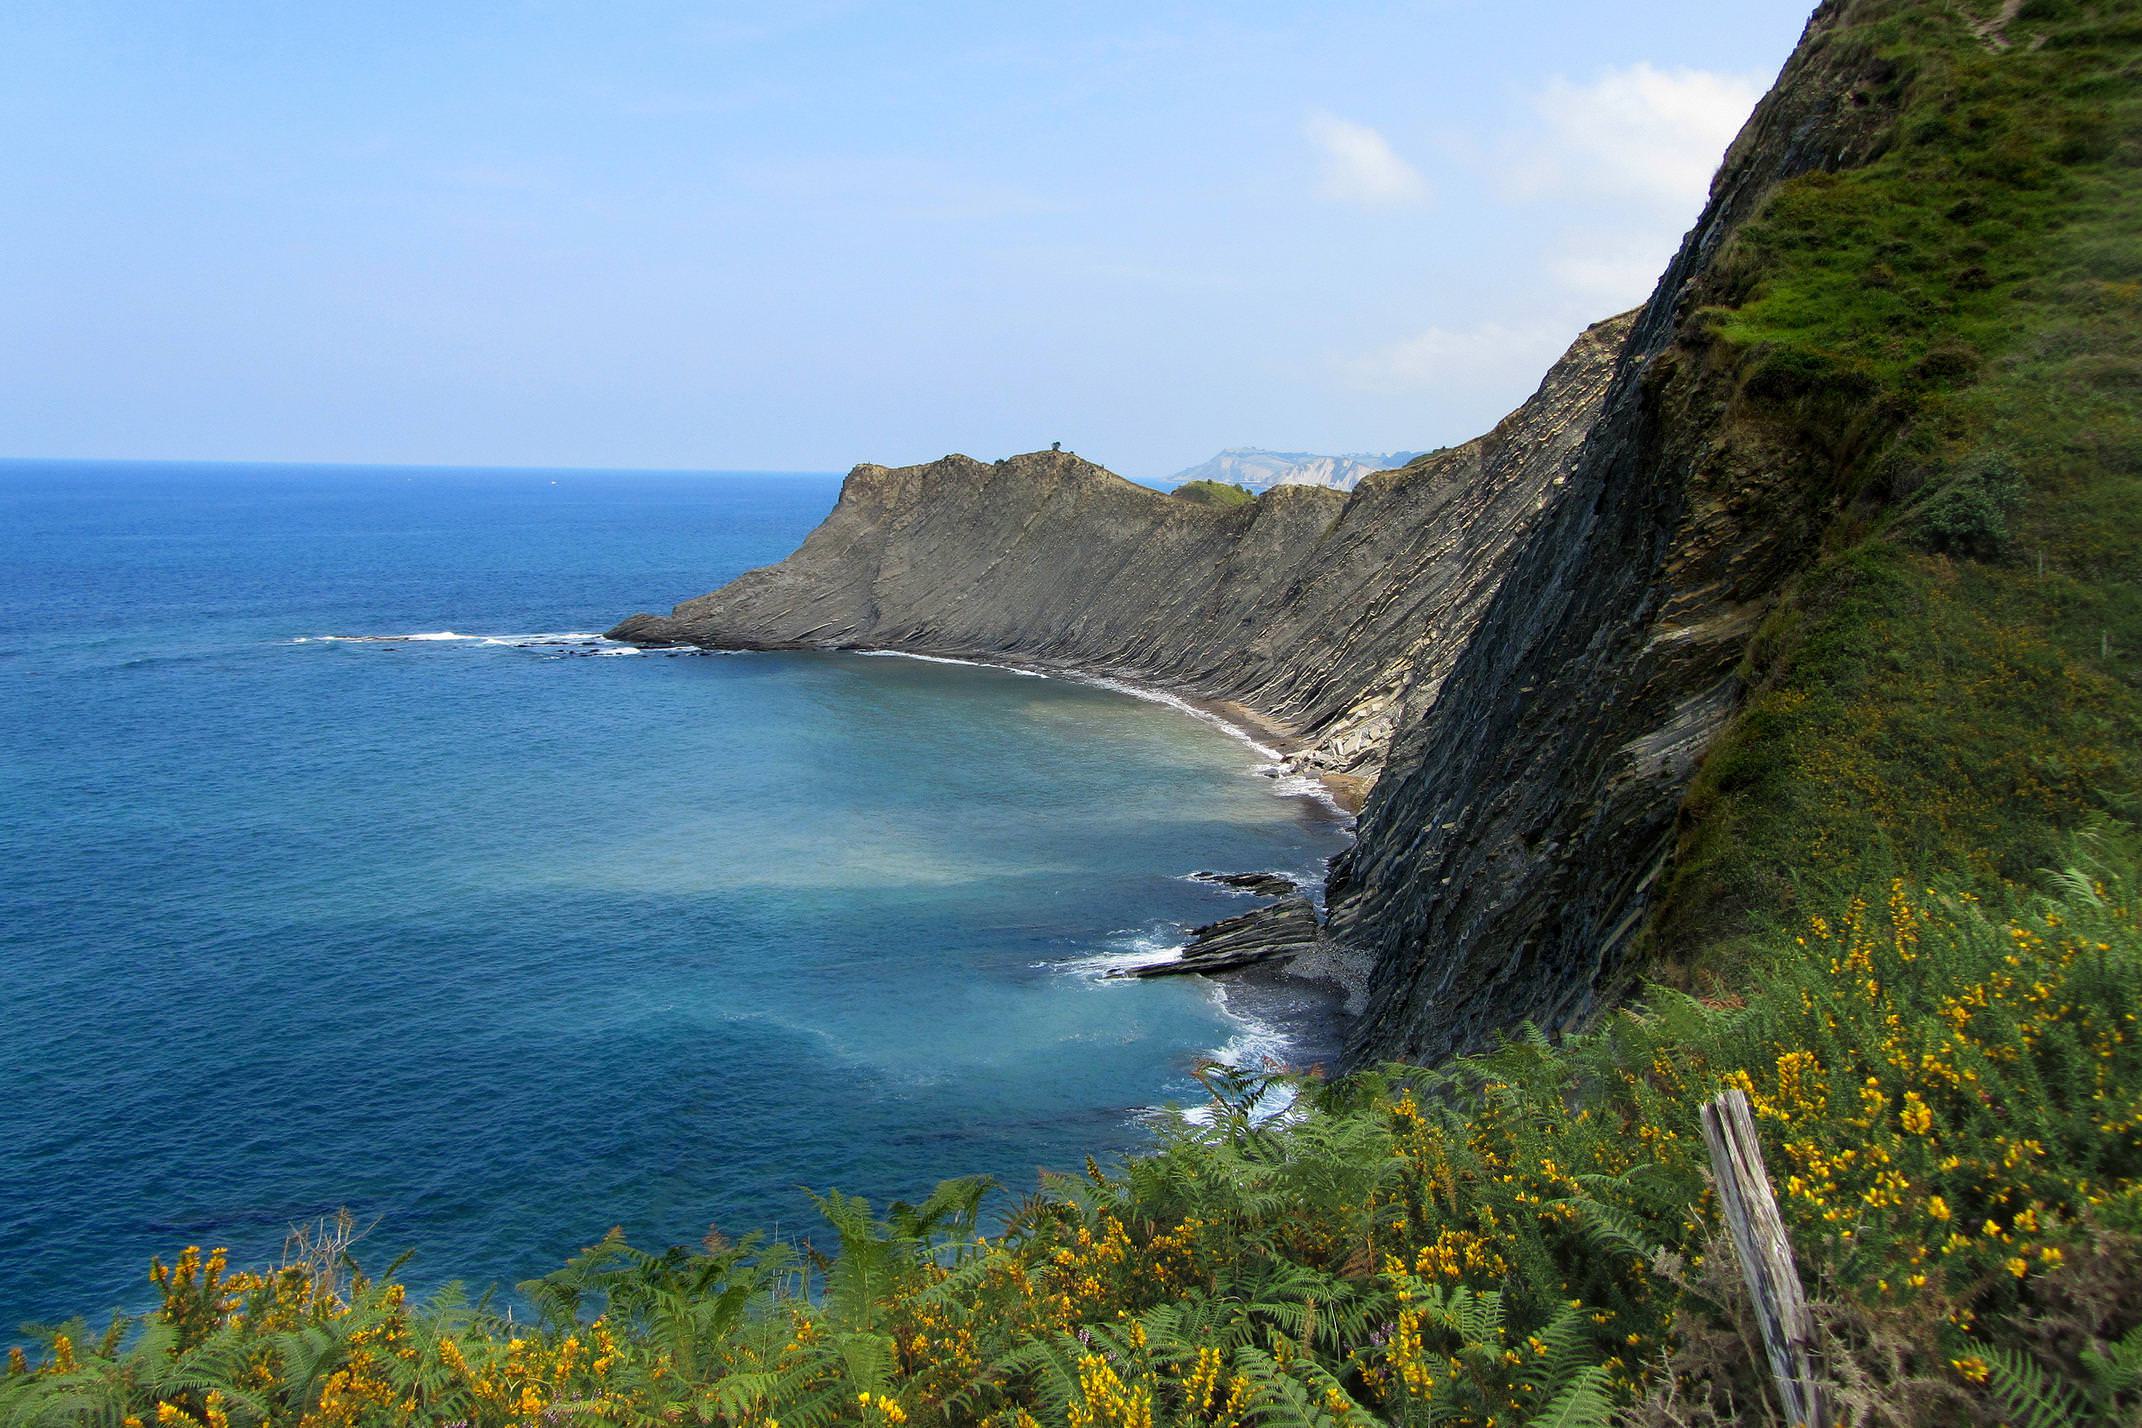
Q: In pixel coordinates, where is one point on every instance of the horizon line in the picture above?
(438, 466)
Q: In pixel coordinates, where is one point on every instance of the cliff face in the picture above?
(1505, 863)
(1331, 616)
(1533, 636)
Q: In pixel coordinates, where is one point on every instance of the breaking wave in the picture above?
(556, 644)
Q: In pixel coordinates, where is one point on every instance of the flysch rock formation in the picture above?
(1328, 618)
(1277, 931)
(1527, 642)
(1510, 856)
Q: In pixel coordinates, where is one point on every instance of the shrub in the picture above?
(1966, 510)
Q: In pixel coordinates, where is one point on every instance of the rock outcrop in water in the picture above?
(1277, 932)
(1532, 637)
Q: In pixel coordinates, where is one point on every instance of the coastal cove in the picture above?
(359, 859)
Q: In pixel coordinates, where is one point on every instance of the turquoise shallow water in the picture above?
(502, 941)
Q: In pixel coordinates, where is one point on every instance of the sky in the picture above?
(799, 235)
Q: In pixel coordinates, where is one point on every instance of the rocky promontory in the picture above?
(1526, 643)
(1332, 618)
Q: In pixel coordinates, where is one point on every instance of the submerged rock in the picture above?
(1262, 884)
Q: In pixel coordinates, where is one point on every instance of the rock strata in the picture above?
(1528, 642)
(1272, 933)
(1502, 870)
(1333, 617)
(1262, 884)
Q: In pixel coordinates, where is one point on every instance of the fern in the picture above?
(2028, 1393)
(1582, 1403)
(2116, 1369)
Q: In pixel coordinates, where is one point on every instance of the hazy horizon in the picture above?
(792, 239)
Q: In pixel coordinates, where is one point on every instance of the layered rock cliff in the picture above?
(1331, 617)
(1505, 865)
(1533, 637)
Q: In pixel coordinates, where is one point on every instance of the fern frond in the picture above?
(1584, 1402)
(2028, 1393)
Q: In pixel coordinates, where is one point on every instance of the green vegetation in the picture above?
(1951, 1098)
(1957, 329)
(1944, 350)
(1213, 493)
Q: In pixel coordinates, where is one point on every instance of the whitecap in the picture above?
(1256, 1042)
(1131, 952)
(553, 642)
(423, 636)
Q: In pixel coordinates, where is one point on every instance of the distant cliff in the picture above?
(1332, 616)
(1259, 470)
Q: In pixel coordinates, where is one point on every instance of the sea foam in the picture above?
(553, 642)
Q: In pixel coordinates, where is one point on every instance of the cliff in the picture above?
(1733, 605)
(1331, 617)
(1504, 869)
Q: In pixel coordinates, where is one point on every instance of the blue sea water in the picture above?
(504, 939)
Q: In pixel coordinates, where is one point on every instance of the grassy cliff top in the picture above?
(1955, 684)
(1213, 493)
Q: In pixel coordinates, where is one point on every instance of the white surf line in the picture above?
(948, 659)
(424, 636)
(1136, 950)
(1258, 1041)
(586, 640)
(1286, 783)
(1258, 1046)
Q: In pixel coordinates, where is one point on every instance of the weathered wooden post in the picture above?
(1765, 1257)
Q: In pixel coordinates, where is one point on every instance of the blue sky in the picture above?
(801, 235)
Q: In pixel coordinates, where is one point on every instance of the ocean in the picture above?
(342, 865)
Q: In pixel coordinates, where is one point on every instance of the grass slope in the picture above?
(1213, 493)
(1953, 686)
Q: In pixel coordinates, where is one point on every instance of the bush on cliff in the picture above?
(1213, 493)
(1955, 681)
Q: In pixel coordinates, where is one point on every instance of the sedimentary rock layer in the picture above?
(1275, 932)
(1331, 616)
(1533, 636)
(1513, 850)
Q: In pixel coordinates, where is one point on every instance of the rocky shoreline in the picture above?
(1280, 944)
